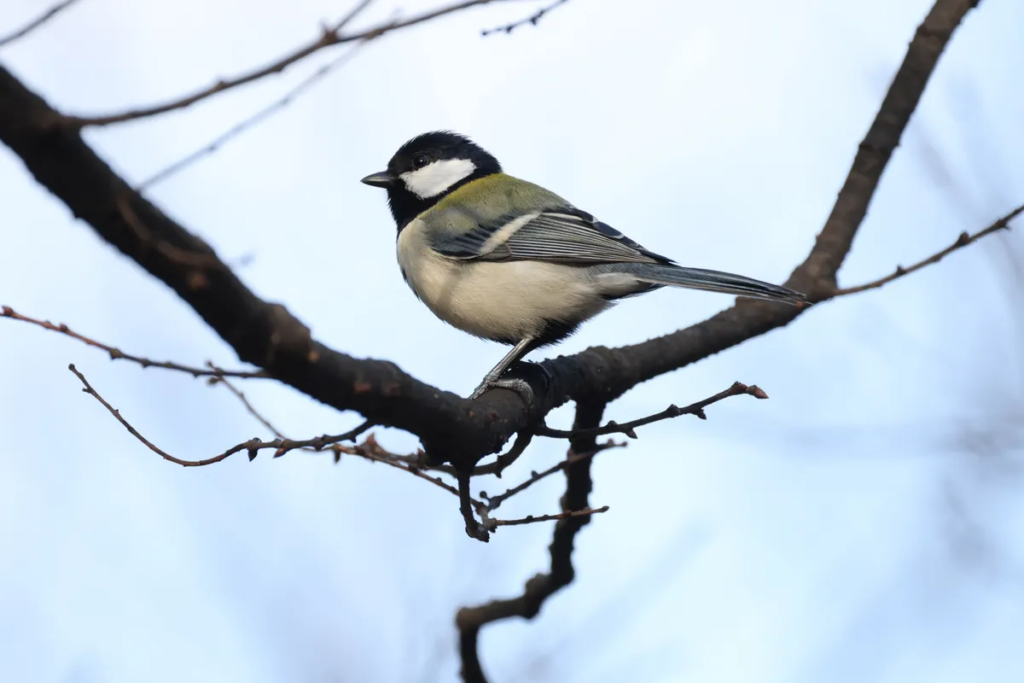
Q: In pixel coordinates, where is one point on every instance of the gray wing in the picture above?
(565, 235)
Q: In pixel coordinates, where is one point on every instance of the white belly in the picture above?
(508, 300)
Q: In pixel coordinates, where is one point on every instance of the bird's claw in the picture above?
(520, 386)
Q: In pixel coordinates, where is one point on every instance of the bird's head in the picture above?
(428, 167)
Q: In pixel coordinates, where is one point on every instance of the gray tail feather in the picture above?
(714, 281)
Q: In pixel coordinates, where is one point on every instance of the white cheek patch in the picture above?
(436, 177)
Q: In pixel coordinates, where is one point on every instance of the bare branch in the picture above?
(533, 20)
(672, 411)
(330, 36)
(474, 529)
(962, 241)
(523, 440)
(531, 519)
(117, 354)
(240, 395)
(542, 586)
(493, 502)
(252, 446)
(249, 122)
(36, 23)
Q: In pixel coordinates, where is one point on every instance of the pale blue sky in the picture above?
(859, 526)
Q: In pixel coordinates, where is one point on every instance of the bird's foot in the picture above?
(516, 384)
(520, 386)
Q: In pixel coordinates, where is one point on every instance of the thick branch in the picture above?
(462, 431)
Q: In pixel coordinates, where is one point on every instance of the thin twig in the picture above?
(533, 19)
(247, 123)
(117, 354)
(331, 35)
(369, 449)
(628, 428)
(962, 241)
(530, 519)
(240, 395)
(252, 446)
(36, 23)
(523, 440)
(493, 502)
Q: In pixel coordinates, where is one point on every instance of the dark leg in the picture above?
(492, 378)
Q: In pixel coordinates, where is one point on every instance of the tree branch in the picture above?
(450, 428)
(493, 502)
(330, 36)
(531, 519)
(249, 122)
(252, 446)
(962, 241)
(628, 428)
(36, 23)
(533, 20)
(117, 354)
(542, 586)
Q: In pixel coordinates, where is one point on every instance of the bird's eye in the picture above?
(420, 160)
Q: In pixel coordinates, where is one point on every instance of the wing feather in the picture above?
(561, 236)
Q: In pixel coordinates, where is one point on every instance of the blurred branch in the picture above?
(542, 586)
(533, 19)
(628, 428)
(117, 354)
(330, 36)
(962, 241)
(474, 529)
(36, 23)
(249, 122)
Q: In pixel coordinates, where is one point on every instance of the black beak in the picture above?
(382, 179)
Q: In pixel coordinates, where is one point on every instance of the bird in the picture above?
(509, 261)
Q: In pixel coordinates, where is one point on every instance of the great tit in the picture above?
(506, 260)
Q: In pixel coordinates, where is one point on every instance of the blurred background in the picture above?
(862, 525)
